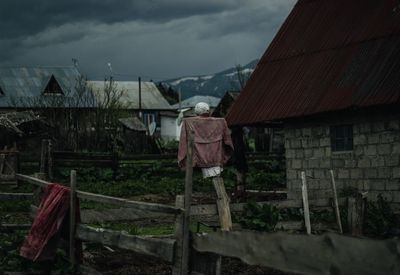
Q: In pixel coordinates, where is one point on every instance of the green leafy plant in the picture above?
(379, 218)
(259, 217)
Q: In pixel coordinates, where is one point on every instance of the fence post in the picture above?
(224, 212)
(187, 202)
(50, 159)
(179, 221)
(355, 217)
(43, 158)
(306, 207)
(114, 157)
(335, 203)
(72, 218)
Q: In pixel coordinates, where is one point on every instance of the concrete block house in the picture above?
(332, 77)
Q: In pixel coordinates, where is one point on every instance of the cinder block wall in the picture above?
(373, 165)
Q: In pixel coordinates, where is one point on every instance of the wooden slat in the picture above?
(15, 196)
(152, 207)
(161, 248)
(32, 180)
(305, 254)
(211, 209)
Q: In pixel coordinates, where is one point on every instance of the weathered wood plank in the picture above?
(161, 248)
(119, 214)
(306, 208)
(15, 196)
(211, 209)
(330, 253)
(32, 180)
(152, 207)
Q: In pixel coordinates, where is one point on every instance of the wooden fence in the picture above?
(303, 254)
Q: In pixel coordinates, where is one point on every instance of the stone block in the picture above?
(306, 132)
(313, 163)
(373, 139)
(371, 173)
(350, 163)
(325, 184)
(387, 137)
(377, 185)
(396, 148)
(396, 197)
(325, 163)
(319, 173)
(297, 133)
(377, 161)
(365, 127)
(356, 173)
(314, 142)
(290, 153)
(317, 131)
(324, 142)
(358, 150)
(343, 174)
(378, 126)
(328, 151)
(393, 160)
(393, 125)
(295, 143)
(287, 144)
(291, 174)
(384, 173)
(299, 153)
(396, 172)
(305, 143)
(308, 153)
(393, 185)
(296, 164)
(338, 163)
(319, 152)
(370, 150)
(360, 139)
(364, 163)
(384, 149)
(304, 164)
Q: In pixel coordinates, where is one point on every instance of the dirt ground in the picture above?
(122, 262)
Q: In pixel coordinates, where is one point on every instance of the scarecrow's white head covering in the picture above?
(201, 108)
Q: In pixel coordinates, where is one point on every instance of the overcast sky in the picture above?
(152, 38)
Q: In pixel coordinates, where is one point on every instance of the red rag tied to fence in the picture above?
(50, 224)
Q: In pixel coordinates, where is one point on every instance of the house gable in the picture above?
(53, 87)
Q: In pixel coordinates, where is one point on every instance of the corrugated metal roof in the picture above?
(190, 102)
(152, 99)
(19, 83)
(133, 123)
(328, 55)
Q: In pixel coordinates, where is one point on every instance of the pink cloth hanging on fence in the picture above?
(212, 142)
(49, 225)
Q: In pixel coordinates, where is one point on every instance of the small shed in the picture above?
(133, 135)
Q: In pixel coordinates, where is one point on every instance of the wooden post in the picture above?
(43, 157)
(355, 218)
(50, 159)
(179, 224)
(187, 202)
(72, 218)
(224, 212)
(306, 207)
(335, 203)
(115, 164)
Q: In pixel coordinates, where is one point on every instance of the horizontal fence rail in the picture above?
(305, 254)
(144, 206)
(162, 248)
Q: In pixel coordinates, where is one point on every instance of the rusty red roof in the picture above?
(329, 55)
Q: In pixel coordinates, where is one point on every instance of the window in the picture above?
(341, 138)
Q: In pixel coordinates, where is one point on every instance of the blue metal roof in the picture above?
(21, 85)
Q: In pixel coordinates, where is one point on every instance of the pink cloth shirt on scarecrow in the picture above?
(212, 142)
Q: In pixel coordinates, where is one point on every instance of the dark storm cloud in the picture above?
(22, 17)
(164, 38)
